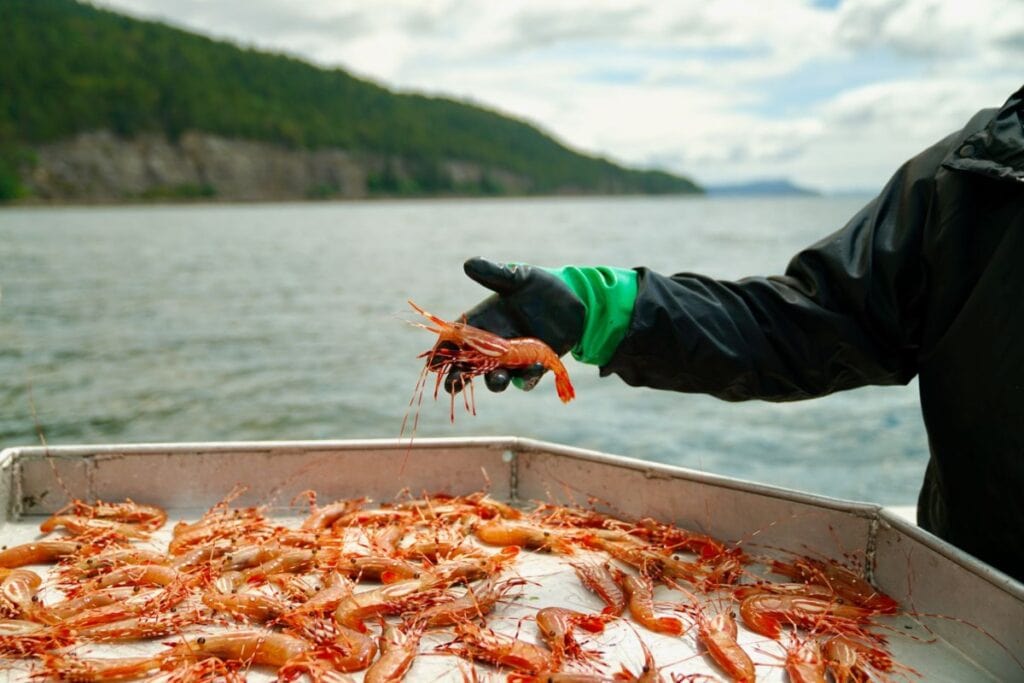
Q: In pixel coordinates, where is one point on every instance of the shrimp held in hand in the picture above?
(476, 352)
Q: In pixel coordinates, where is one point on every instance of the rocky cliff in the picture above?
(102, 167)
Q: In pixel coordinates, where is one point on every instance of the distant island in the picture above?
(761, 188)
(102, 107)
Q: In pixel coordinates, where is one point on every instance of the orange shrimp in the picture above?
(604, 580)
(21, 638)
(78, 525)
(18, 593)
(525, 534)
(38, 552)
(765, 613)
(500, 650)
(847, 659)
(148, 517)
(841, 580)
(255, 607)
(478, 352)
(346, 649)
(718, 634)
(804, 662)
(260, 648)
(393, 598)
(67, 667)
(323, 517)
(556, 626)
(476, 602)
(640, 592)
(398, 649)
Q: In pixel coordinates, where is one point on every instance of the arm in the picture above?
(846, 313)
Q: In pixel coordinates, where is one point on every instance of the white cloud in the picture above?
(720, 90)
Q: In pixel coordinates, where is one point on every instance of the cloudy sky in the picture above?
(833, 94)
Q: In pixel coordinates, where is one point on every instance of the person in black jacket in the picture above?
(926, 280)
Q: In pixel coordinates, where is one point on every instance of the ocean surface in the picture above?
(289, 321)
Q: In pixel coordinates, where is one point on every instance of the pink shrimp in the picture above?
(718, 634)
(478, 352)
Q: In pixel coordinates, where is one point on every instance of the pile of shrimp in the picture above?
(438, 586)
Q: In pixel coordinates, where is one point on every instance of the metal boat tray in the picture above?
(964, 621)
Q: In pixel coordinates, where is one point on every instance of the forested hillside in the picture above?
(68, 68)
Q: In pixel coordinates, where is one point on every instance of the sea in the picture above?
(213, 322)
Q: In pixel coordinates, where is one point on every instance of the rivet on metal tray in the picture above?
(508, 456)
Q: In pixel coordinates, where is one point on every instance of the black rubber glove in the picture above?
(527, 302)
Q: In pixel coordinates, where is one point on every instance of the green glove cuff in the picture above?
(608, 295)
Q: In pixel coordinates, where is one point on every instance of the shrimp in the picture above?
(500, 650)
(640, 592)
(345, 648)
(38, 552)
(847, 659)
(21, 638)
(476, 602)
(78, 525)
(842, 581)
(149, 517)
(259, 648)
(377, 568)
(478, 352)
(321, 518)
(556, 625)
(804, 662)
(764, 613)
(66, 667)
(18, 593)
(113, 557)
(510, 532)
(718, 634)
(604, 580)
(398, 649)
(393, 598)
(255, 607)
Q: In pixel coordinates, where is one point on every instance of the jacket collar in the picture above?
(997, 150)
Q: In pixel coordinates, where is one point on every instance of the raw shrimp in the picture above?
(148, 517)
(718, 634)
(476, 602)
(38, 552)
(478, 352)
(842, 581)
(766, 613)
(18, 593)
(604, 580)
(556, 625)
(66, 667)
(500, 650)
(260, 648)
(848, 659)
(804, 662)
(640, 593)
(398, 648)
(394, 598)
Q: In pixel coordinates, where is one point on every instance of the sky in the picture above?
(831, 94)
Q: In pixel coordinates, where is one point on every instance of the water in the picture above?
(284, 321)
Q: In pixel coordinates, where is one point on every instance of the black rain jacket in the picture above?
(926, 280)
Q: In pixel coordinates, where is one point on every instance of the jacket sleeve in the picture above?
(847, 312)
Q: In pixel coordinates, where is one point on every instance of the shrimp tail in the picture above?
(564, 387)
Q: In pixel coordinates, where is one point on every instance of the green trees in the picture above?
(67, 67)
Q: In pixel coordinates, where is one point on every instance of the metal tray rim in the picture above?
(519, 446)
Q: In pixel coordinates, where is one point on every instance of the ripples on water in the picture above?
(256, 322)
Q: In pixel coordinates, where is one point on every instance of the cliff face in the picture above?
(102, 167)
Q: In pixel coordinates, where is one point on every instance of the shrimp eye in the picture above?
(201, 640)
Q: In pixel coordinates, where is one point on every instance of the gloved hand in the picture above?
(585, 310)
